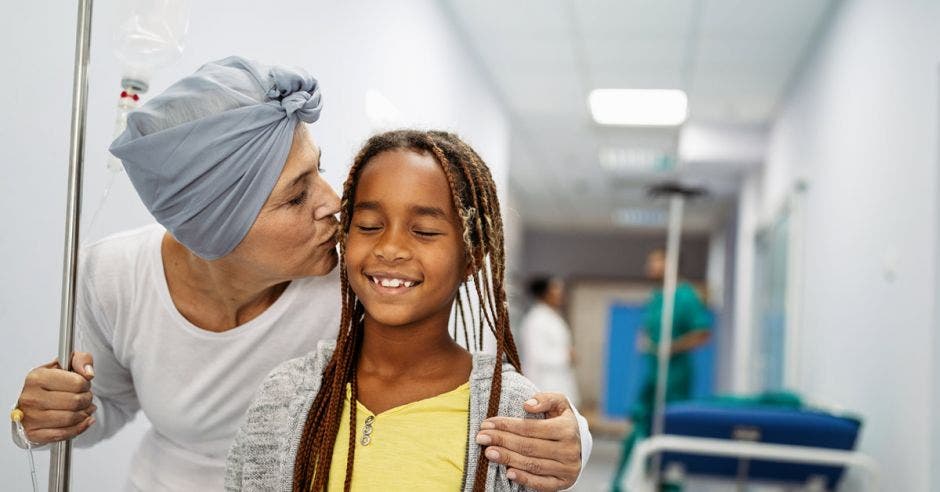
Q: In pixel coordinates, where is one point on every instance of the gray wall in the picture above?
(605, 255)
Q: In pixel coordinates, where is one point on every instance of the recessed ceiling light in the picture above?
(635, 216)
(638, 107)
(637, 160)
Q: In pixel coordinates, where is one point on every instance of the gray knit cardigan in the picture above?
(262, 455)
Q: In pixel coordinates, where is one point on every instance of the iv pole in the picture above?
(677, 195)
(61, 455)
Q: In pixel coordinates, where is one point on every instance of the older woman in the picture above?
(184, 320)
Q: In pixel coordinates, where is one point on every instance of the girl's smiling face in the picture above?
(404, 252)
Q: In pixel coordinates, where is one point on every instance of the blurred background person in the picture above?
(691, 325)
(547, 349)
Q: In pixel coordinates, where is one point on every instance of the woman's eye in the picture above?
(367, 228)
(427, 233)
(298, 200)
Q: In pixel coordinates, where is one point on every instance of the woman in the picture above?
(184, 321)
(547, 349)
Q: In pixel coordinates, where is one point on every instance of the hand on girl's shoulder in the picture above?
(517, 389)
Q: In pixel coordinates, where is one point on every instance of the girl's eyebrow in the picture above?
(423, 210)
(434, 212)
(367, 206)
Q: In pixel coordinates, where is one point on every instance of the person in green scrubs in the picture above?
(690, 330)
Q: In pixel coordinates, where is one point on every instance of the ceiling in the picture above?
(734, 58)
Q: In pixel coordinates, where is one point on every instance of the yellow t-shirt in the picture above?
(418, 446)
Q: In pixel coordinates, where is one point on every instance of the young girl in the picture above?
(394, 402)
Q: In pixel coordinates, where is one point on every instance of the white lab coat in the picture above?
(546, 351)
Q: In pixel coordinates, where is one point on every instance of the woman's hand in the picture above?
(56, 404)
(540, 454)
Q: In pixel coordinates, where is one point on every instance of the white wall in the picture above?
(747, 223)
(861, 126)
(405, 50)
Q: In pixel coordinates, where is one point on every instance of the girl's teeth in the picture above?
(393, 283)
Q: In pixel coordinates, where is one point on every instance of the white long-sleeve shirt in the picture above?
(192, 384)
(546, 351)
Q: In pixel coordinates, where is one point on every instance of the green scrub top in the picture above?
(689, 315)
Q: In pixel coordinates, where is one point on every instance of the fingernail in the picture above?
(89, 370)
(487, 425)
(531, 402)
(92, 422)
(484, 439)
(511, 475)
(492, 454)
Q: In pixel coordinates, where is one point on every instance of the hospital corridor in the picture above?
(476, 245)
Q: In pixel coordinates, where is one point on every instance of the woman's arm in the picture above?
(89, 403)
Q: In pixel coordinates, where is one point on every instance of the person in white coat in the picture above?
(547, 349)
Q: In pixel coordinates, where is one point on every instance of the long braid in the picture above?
(351, 449)
(499, 266)
(473, 192)
(463, 319)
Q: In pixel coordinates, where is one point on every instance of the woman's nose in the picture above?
(329, 202)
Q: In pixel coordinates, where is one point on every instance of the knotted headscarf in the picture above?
(205, 154)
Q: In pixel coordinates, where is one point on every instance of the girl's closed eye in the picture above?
(367, 228)
(428, 233)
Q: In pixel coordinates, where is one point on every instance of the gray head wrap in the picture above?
(205, 154)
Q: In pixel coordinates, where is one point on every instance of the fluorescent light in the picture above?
(644, 217)
(638, 107)
(645, 160)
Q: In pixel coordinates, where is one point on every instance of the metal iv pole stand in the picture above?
(677, 195)
(61, 455)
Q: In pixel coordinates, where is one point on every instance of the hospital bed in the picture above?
(794, 446)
